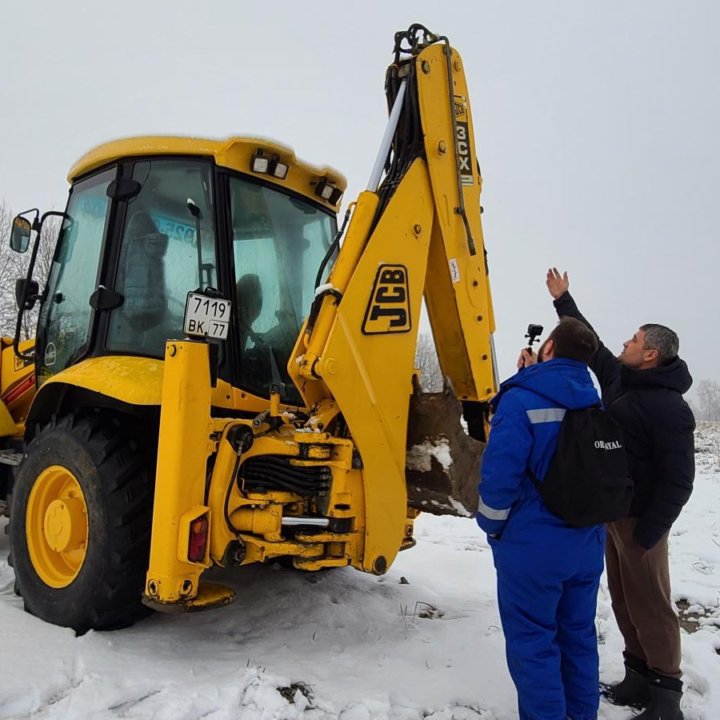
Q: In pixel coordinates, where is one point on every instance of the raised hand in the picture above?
(557, 284)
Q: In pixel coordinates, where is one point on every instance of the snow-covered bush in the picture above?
(707, 445)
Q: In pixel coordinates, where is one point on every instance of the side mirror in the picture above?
(20, 234)
(32, 296)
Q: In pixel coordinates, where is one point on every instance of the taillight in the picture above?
(197, 542)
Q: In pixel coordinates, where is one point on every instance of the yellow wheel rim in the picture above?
(56, 526)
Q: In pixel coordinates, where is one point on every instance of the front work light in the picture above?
(328, 192)
(277, 169)
(265, 165)
(260, 162)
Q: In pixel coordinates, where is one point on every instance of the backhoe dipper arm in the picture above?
(418, 232)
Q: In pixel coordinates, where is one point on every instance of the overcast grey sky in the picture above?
(597, 126)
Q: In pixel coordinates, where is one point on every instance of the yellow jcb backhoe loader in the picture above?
(205, 393)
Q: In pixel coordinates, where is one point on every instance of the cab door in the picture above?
(66, 317)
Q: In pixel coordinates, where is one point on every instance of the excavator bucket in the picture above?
(443, 462)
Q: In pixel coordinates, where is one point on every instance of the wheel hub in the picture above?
(65, 524)
(57, 526)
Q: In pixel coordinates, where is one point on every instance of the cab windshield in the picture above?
(279, 242)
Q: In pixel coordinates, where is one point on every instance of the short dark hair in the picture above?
(573, 340)
(662, 339)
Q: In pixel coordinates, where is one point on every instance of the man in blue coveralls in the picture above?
(547, 572)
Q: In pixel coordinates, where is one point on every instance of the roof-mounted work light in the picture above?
(265, 165)
(327, 191)
(277, 169)
(260, 162)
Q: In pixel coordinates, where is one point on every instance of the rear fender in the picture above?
(122, 382)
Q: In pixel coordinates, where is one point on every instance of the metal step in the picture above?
(8, 457)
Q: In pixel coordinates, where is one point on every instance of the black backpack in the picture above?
(588, 482)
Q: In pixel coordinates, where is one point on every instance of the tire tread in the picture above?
(125, 467)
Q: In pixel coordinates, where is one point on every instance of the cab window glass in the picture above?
(66, 315)
(167, 250)
(279, 242)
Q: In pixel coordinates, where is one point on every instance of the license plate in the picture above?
(206, 317)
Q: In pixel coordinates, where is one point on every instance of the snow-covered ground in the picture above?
(424, 641)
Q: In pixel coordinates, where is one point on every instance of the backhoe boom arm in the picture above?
(418, 233)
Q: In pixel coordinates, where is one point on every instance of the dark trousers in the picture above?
(639, 582)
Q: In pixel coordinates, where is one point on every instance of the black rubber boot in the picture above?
(664, 701)
(634, 689)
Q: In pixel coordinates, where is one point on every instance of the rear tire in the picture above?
(6, 479)
(81, 513)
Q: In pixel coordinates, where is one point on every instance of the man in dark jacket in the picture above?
(547, 572)
(642, 389)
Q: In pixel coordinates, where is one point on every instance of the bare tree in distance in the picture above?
(708, 400)
(14, 265)
(9, 271)
(426, 360)
(43, 263)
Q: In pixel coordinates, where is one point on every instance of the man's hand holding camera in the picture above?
(527, 358)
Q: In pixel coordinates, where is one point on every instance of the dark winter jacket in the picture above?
(529, 410)
(658, 428)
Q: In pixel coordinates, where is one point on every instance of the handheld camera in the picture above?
(533, 334)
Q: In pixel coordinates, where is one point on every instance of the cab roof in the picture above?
(234, 153)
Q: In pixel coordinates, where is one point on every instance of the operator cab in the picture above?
(150, 220)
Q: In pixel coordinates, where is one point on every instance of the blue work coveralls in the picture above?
(547, 572)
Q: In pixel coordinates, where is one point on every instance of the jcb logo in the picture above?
(389, 308)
